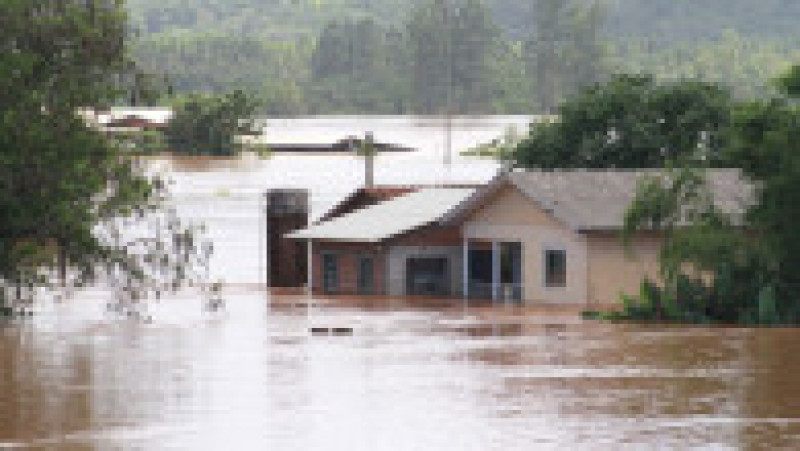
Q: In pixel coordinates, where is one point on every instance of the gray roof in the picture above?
(598, 199)
(389, 218)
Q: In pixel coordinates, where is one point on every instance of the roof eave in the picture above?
(339, 239)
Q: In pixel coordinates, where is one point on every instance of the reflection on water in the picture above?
(413, 374)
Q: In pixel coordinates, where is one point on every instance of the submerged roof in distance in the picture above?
(389, 218)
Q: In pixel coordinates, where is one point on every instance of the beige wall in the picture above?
(510, 216)
(615, 270)
(508, 206)
(599, 266)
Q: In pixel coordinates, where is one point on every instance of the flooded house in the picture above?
(526, 236)
(349, 144)
(394, 247)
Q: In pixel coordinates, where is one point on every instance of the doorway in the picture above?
(480, 273)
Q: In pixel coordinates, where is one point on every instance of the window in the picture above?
(365, 275)
(330, 273)
(427, 276)
(555, 268)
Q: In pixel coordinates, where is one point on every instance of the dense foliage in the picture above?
(720, 268)
(481, 56)
(355, 64)
(665, 20)
(632, 122)
(209, 125)
(745, 64)
(765, 143)
(564, 53)
(67, 196)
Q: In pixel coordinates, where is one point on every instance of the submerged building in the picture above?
(526, 236)
(394, 247)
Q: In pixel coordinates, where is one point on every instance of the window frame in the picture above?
(336, 272)
(546, 275)
(364, 289)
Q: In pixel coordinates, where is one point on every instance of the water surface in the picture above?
(406, 374)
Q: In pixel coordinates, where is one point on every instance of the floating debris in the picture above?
(336, 331)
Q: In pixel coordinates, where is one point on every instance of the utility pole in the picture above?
(448, 140)
(448, 137)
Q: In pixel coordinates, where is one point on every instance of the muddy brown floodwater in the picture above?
(284, 372)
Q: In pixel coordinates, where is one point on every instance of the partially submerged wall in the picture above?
(347, 257)
(510, 216)
(615, 270)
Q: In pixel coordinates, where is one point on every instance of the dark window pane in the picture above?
(330, 273)
(555, 268)
(365, 275)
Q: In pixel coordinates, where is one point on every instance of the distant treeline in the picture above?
(461, 56)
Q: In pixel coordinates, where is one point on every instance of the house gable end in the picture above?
(508, 205)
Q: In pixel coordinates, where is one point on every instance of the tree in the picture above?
(632, 122)
(790, 82)
(429, 38)
(544, 52)
(300, 54)
(714, 269)
(354, 49)
(585, 61)
(66, 193)
(564, 53)
(751, 264)
(355, 67)
(473, 39)
(743, 63)
(451, 47)
(765, 143)
(208, 124)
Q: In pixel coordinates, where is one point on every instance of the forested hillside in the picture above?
(667, 19)
(469, 56)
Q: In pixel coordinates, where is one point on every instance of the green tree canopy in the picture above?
(790, 83)
(632, 122)
(508, 56)
(564, 52)
(209, 124)
(752, 264)
(66, 193)
(765, 143)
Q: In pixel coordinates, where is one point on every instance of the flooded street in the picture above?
(283, 372)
